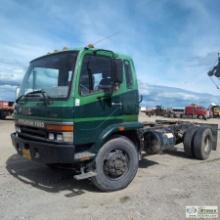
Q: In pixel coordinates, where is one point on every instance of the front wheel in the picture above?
(116, 164)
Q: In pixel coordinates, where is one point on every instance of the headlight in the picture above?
(59, 137)
(68, 137)
(65, 137)
(51, 136)
(61, 132)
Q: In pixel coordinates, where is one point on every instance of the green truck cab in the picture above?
(80, 107)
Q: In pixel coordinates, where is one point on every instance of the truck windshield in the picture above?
(52, 74)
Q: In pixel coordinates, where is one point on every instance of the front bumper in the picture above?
(44, 152)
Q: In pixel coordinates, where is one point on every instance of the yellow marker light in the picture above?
(60, 128)
(90, 46)
(65, 49)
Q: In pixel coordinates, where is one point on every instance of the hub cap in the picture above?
(116, 164)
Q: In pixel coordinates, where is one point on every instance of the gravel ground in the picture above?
(164, 185)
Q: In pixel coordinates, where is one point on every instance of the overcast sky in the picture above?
(172, 42)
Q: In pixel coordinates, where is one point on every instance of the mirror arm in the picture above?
(141, 99)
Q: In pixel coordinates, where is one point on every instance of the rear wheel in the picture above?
(202, 143)
(188, 141)
(116, 164)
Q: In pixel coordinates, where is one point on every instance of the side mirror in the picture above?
(117, 71)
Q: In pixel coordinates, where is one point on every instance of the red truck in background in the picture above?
(190, 111)
(6, 109)
(197, 111)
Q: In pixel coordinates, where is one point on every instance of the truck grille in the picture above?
(32, 132)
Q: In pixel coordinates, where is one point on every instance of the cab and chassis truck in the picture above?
(80, 107)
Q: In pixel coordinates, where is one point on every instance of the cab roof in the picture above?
(81, 49)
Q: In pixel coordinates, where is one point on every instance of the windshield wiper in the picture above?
(41, 91)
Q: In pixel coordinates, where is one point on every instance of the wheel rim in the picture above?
(207, 145)
(116, 164)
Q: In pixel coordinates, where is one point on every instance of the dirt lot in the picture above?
(164, 185)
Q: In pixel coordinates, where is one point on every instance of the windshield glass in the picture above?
(52, 74)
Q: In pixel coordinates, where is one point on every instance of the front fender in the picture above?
(114, 128)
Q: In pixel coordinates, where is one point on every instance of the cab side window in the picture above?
(128, 74)
(96, 71)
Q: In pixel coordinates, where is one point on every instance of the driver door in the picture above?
(96, 110)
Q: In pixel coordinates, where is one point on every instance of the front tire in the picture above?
(116, 164)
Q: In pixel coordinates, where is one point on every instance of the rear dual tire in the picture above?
(202, 143)
(198, 142)
(188, 141)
